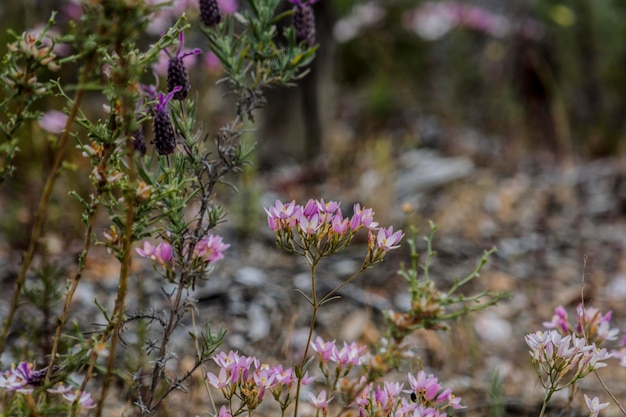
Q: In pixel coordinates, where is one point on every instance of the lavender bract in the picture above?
(304, 21)
(177, 72)
(164, 135)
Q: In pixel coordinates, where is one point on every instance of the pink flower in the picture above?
(83, 398)
(320, 400)
(280, 216)
(18, 377)
(161, 253)
(286, 376)
(53, 121)
(311, 208)
(147, 251)
(306, 379)
(350, 354)
(386, 239)
(325, 349)
(426, 387)
(70, 395)
(331, 207)
(282, 211)
(221, 380)
(224, 412)
(309, 225)
(238, 367)
(594, 405)
(559, 320)
(60, 389)
(211, 248)
(339, 224)
(362, 217)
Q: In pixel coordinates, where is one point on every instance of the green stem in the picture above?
(341, 286)
(310, 337)
(545, 402)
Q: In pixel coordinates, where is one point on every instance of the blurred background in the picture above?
(502, 121)
(499, 80)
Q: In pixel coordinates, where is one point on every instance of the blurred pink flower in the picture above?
(433, 20)
(59, 49)
(72, 9)
(228, 6)
(212, 63)
(53, 121)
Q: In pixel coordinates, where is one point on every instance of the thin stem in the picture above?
(42, 209)
(609, 392)
(473, 274)
(70, 295)
(157, 372)
(545, 402)
(310, 337)
(342, 285)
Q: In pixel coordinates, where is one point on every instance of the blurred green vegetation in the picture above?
(560, 91)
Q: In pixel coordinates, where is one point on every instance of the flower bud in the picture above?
(164, 135)
(177, 76)
(304, 23)
(210, 12)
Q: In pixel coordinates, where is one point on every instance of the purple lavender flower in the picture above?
(304, 21)
(176, 71)
(210, 12)
(164, 136)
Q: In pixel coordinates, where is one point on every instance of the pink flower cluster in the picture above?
(320, 225)
(590, 324)
(349, 355)
(71, 395)
(556, 355)
(23, 377)
(427, 398)
(245, 377)
(208, 249)
(316, 216)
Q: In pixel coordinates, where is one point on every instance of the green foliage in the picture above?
(170, 198)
